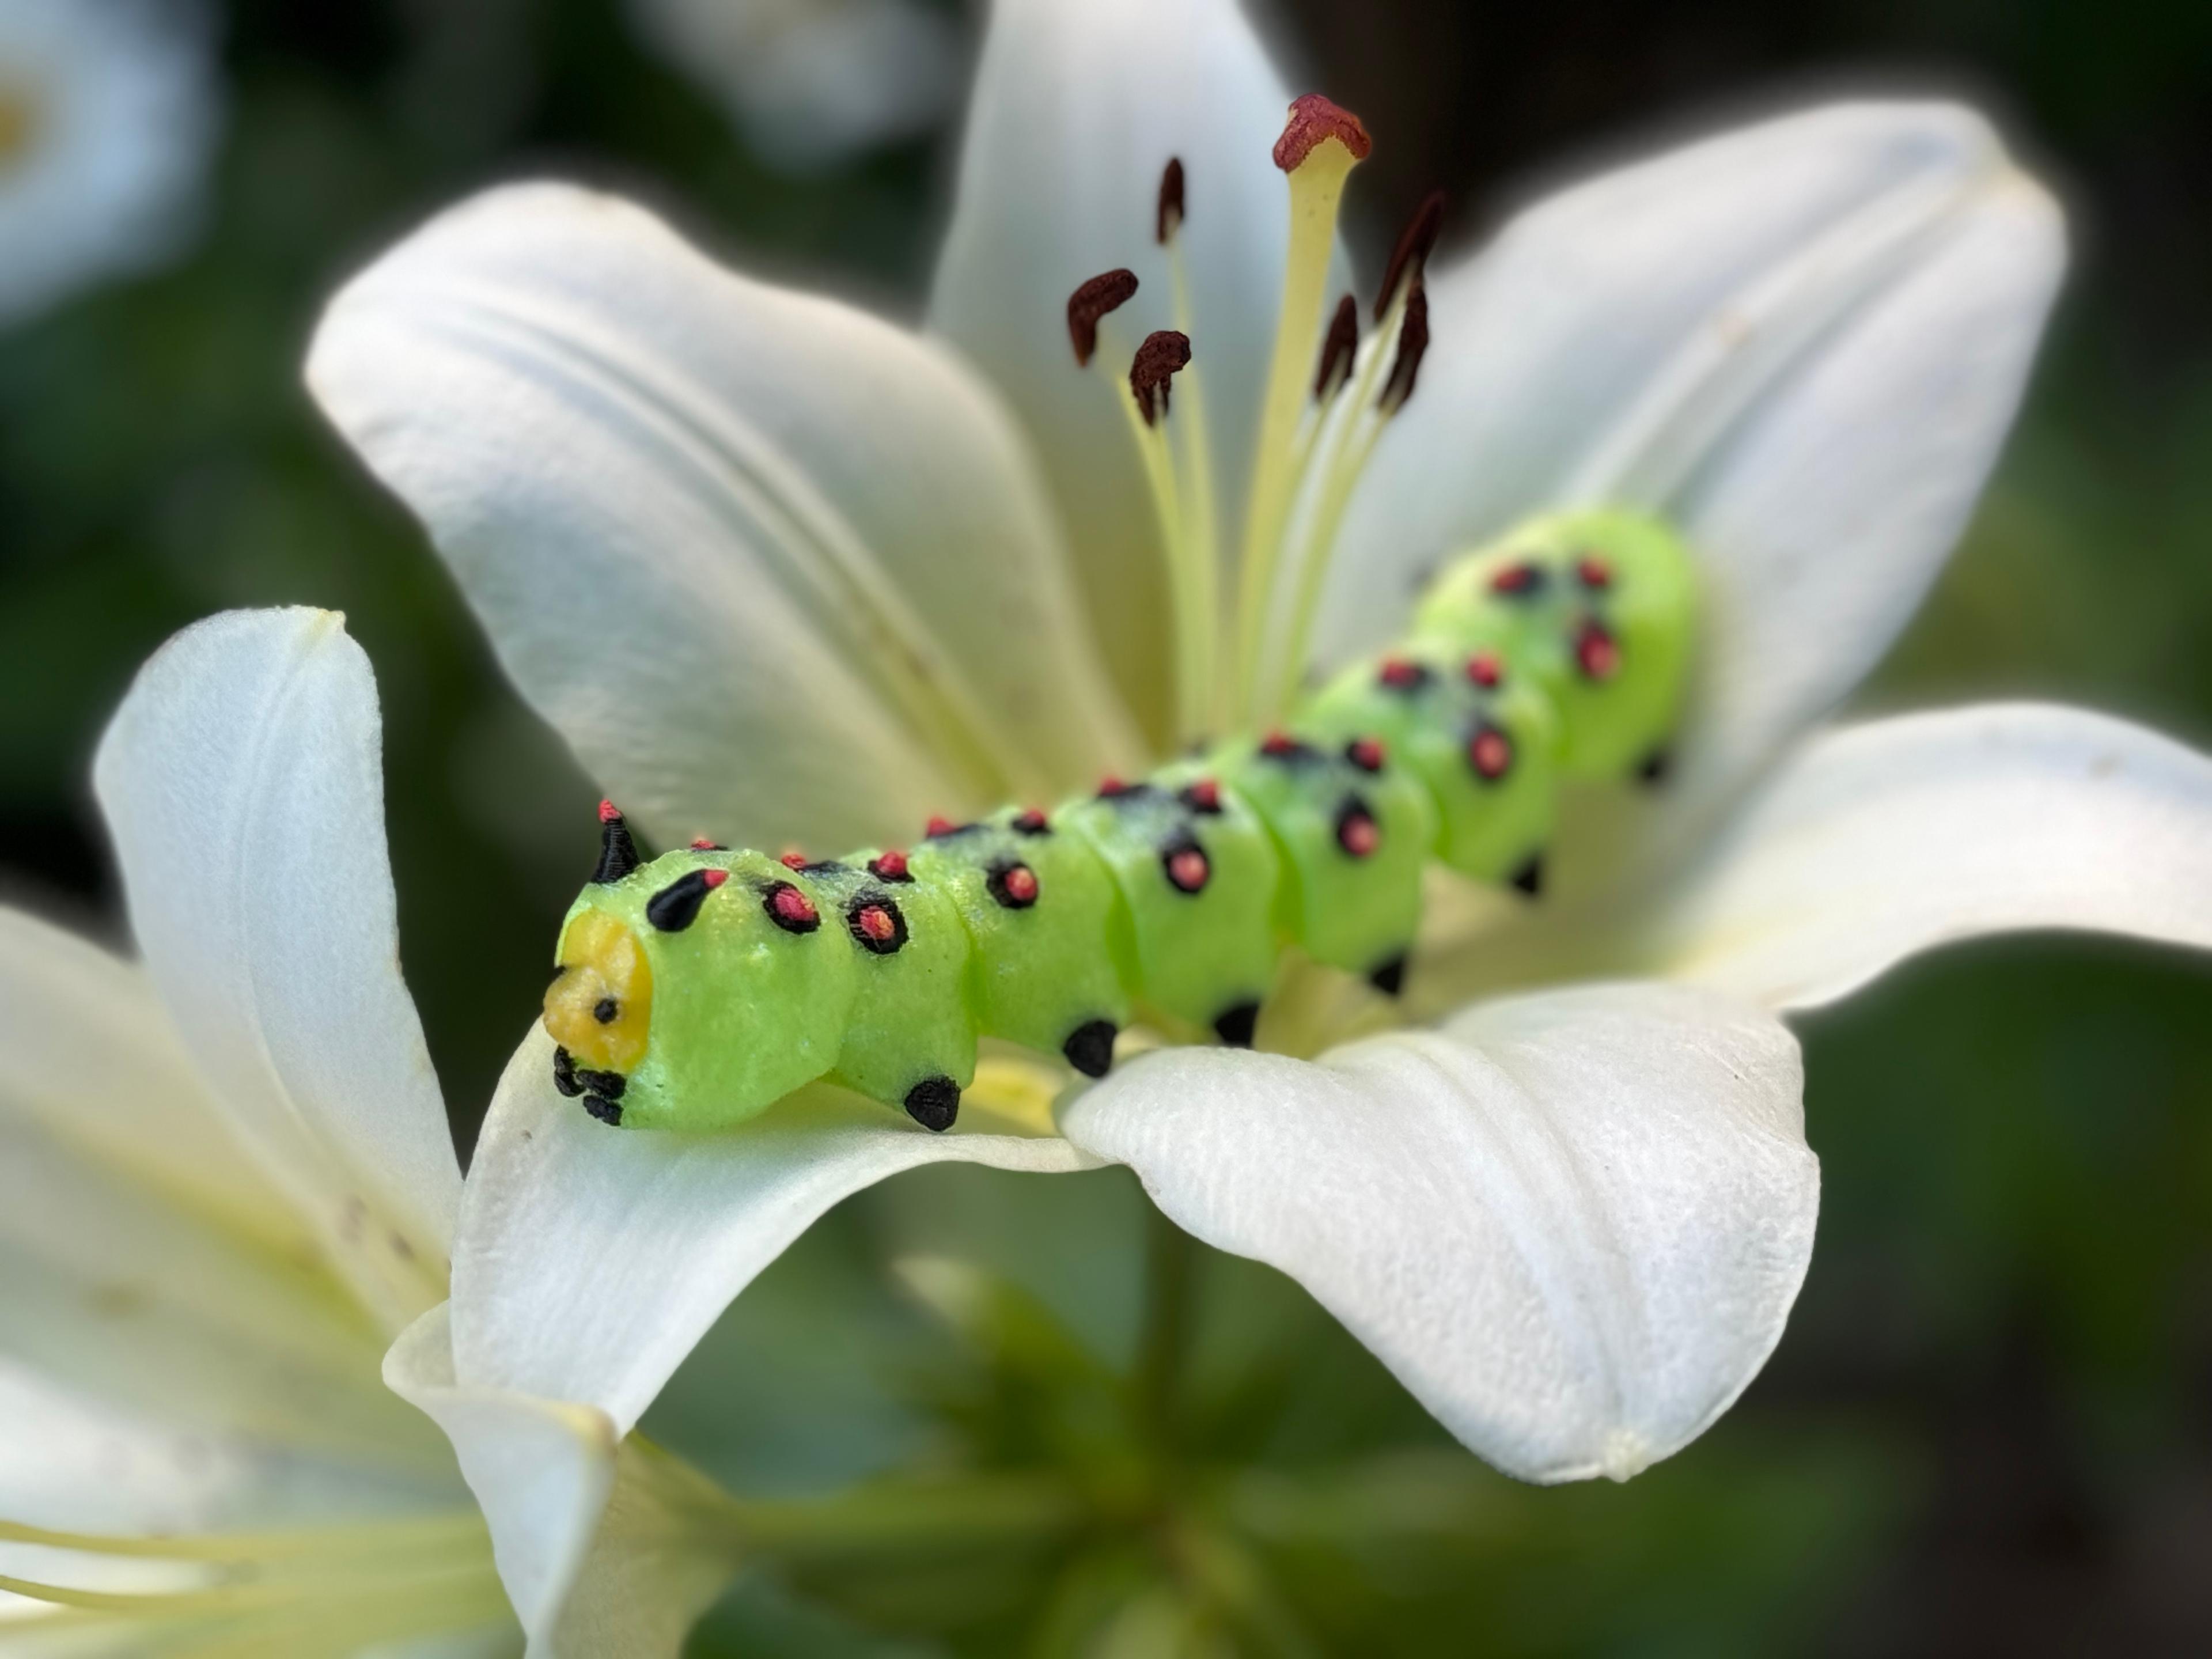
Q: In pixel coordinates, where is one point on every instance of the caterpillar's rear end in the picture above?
(697, 990)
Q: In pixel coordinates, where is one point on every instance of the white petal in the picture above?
(777, 570)
(598, 1541)
(1803, 339)
(1077, 108)
(590, 1260)
(92, 1058)
(811, 82)
(1572, 1225)
(1871, 842)
(242, 780)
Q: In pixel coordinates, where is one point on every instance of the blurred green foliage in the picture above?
(1988, 1429)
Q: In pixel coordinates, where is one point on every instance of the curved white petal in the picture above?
(590, 1260)
(1572, 1225)
(1804, 340)
(1077, 108)
(777, 570)
(242, 780)
(1870, 842)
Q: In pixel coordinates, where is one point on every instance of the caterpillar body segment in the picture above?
(696, 990)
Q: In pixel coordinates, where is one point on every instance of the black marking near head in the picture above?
(608, 1086)
(564, 1073)
(1237, 1024)
(1090, 1047)
(1390, 977)
(606, 1010)
(1012, 883)
(1530, 878)
(1357, 832)
(876, 922)
(825, 867)
(675, 906)
(1187, 867)
(618, 854)
(789, 909)
(605, 1110)
(933, 1103)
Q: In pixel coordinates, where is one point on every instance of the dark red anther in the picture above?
(1202, 795)
(938, 826)
(1518, 580)
(1483, 670)
(1401, 674)
(1168, 218)
(1410, 258)
(1106, 292)
(1365, 753)
(1412, 346)
(790, 910)
(1030, 822)
(1597, 653)
(1162, 355)
(1490, 751)
(889, 866)
(1186, 866)
(1357, 832)
(1314, 119)
(1277, 744)
(1592, 572)
(792, 860)
(1338, 350)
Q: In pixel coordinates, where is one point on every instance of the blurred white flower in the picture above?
(811, 82)
(786, 574)
(108, 117)
(226, 1186)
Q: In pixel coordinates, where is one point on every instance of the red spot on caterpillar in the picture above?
(1110, 786)
(1365, 753)
(1187, 867)
(938, 826)
(1597, 653)
(876, 922)
(609, 812)
(1030, 822)
(1483, 670)
(792, 860)
(1202, 795)
(1490, 751)
(1278, 745)
(791, 909)
(1014, 884)
(1357, 832)
(1401, 675)
(713, 879)
(1314, 120)
(889, 866)
(701, 844)
(1592, 572)
(1517, 580)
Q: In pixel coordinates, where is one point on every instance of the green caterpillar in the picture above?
(696, 990)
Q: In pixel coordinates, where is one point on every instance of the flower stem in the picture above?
(1171, 1264)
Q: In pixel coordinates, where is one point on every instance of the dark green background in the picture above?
(1990, 1428)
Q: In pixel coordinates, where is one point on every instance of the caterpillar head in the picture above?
(1597, 603)
(695, 990)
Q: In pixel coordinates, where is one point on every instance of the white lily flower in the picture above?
(811, 82)
(784, 572)
(227, 1185)
(108, 116)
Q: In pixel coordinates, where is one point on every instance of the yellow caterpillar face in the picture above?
(600, 1007)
